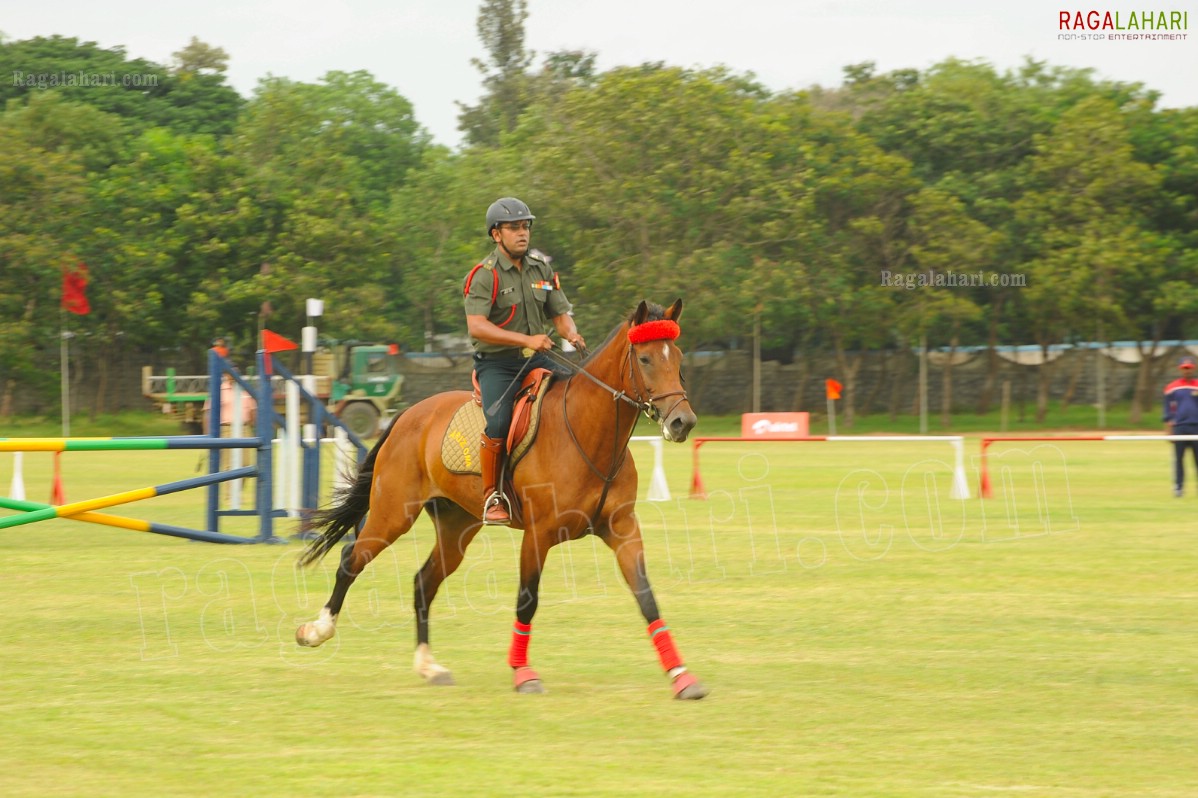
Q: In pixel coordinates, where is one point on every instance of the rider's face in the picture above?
(513, 237)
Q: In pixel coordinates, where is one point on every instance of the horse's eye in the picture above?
(644, 361)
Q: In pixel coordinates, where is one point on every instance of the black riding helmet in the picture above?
(508, 209)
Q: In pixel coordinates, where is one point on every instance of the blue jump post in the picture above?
(266, 420)
(261, 391)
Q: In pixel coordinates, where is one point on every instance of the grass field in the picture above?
(863, 634)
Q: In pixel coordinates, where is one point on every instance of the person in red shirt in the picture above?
(1181, 418)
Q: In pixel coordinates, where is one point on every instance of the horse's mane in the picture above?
(656, 313)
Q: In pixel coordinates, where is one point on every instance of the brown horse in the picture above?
(586, 423)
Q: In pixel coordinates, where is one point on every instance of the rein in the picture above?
(615, 394)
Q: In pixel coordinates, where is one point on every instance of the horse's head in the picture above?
(656, 366)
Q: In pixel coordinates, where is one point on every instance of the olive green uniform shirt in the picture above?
(524, 301)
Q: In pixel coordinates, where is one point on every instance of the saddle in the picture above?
(459, 447)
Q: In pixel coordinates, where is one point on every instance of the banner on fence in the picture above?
(773, 425)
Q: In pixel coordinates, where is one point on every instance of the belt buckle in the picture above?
(527, 352)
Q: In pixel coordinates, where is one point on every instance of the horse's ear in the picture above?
(675, 311)
(641, 313)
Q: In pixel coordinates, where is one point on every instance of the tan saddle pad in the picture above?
(459, 447)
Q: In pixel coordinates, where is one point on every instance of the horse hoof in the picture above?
(309, 635)
(527, 681)
(441, 679)
(688, 688)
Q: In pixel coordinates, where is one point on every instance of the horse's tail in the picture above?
(349, 508)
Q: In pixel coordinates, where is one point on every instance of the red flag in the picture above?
(273, 342)
(833, 388)
(74, 290)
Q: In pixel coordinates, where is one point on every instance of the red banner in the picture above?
(74, 290)
(833, 388)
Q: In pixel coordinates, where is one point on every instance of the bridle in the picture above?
(647, 406)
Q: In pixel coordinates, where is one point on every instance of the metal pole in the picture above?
(757, 361)
(65, 367)
(923, 385)
(1100, 367)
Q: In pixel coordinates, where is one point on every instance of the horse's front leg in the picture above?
(533, 551)
(623, 536)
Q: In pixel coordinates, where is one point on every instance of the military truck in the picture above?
(360, 383)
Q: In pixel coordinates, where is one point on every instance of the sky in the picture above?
(423, 48)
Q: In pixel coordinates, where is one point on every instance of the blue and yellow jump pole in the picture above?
(261, 390)
(82, 511)
(32, 512)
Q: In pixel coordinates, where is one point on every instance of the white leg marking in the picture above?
(318, 631)
(427, 668)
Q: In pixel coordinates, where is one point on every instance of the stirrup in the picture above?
(497, 499)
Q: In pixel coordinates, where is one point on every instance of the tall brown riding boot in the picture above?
(494, 504)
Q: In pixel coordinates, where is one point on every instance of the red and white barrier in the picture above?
(984, 489)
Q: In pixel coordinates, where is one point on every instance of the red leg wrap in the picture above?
(522, 675)
(684, 680)
(659, 633)
(517, 655)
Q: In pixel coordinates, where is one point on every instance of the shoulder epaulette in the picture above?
(487, 263)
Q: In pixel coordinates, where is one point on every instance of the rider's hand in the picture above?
(578, 343)
(540, 343)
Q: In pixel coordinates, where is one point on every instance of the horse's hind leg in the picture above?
(380, 531)
(455, 529)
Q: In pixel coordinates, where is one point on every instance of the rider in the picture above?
(510, 298)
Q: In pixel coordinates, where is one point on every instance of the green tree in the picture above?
(348, 131)
(856, 212)
(164, 228)
(49, 121)
(505, 71)
(945, 239)
(436, 221)
(143, 93)
(650, 174)
(40, 193)
(1082, 233)
(198, 56)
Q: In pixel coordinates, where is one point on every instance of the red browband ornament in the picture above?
(662, 330)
